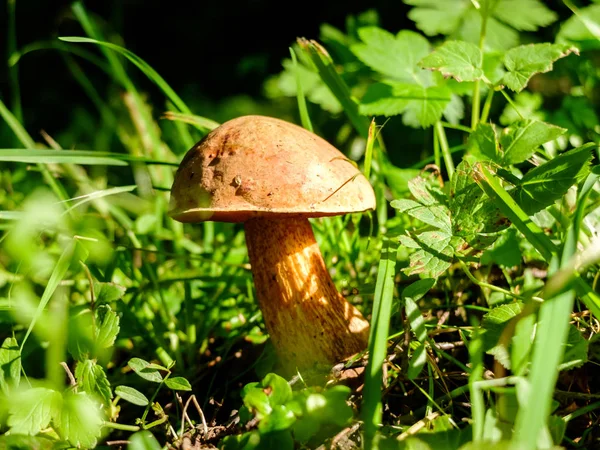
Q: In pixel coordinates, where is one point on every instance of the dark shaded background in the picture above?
(211, 49)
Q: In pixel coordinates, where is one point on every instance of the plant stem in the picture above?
(487, 105)
(441, 135)
(476, 89)
(120, 426)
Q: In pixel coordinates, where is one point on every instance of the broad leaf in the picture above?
(143, 440)
(92, 379)
(521, 139)
(543, 185)
(107, 327)
(582, 28)
(505, 252)
(80, 420)
(395, 57)
(145, 370)
(524, 15)
(417, 361)
(131, 395)
(434, 253)
(494, 324)
(576, 351)
(108, 292)
(483, 142)
(178, 384)
(10, 365)
(32, 410)
(435, 215)
(415, 319)
(526, 60)
(420, 106)
(460, 60)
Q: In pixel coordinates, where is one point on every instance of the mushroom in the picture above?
(273, 176)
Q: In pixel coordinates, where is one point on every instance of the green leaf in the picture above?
(582, 28)
(10, 365)
(80, 420)
(417, 361)
(256, 399)
(505, 252)
(140, 367)
(521, 139)
(393, 56)
(528, 105)
(483, 142)
(279, 419)
(43, 156)
(277, 388)
(493, 324)
(420, 106)
(31, 410)
(108, 292)
(107, 326)
(435, 215)
(433, 256)
(131, 395)
(460, 60)
(178, 384)
(576, 351)
(543, 185)
(531, 15)
(415, 318)
(92, 379)
(434, 17)
(143, 440)
(418, 289)
(23, 442)
(526, 60)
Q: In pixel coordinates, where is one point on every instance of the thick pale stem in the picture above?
(308, 319)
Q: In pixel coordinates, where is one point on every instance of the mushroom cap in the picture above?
(256, 166)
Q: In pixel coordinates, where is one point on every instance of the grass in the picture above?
(120, 324)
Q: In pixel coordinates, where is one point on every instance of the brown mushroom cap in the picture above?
(256, 166)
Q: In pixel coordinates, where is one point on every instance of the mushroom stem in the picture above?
(308, 320)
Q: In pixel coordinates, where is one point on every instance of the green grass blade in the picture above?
(534, 234)
(380, 323)
(324, 64)
(99, 194)
(27, 141)
(55, 278)
(84, 157)
(13, 72)
(369, 148)
(302, 108)
(202, 123)
(140, 64)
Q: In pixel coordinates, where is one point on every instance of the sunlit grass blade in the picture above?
(380, 323)
(55, 278)
(28, 142)
(202, 123)
(369, 148)
(324, 64)
(83, 157)
(13, 72)
(83, 199)
(302, 108)
(140, 64)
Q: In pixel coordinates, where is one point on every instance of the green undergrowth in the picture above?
(478, 269)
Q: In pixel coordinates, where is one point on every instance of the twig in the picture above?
(193, 398)
(69, 373)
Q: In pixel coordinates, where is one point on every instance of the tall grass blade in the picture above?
(380, 323)
(83, 199)
(57, 157)
(202, 123)
(302, 108)
(13, 72)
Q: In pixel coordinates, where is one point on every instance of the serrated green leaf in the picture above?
(107, 326)
(425, 191)
(178, 384)
(435, 17)
(420, 106)
(532, 14)
(140, 367)
(92, 379)
(131, 395)
(393, 56)
(460, 60)
(526, 60)
(576, 350)
(521, 139)
(10, 365)
(483, 142)
(543, 185)
(80, 420)
(108, 292)
(143, 440)
(434, 254)
(32, 410)
(493, 324)
(434, 215)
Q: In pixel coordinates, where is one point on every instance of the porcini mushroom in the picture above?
(273, 176)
